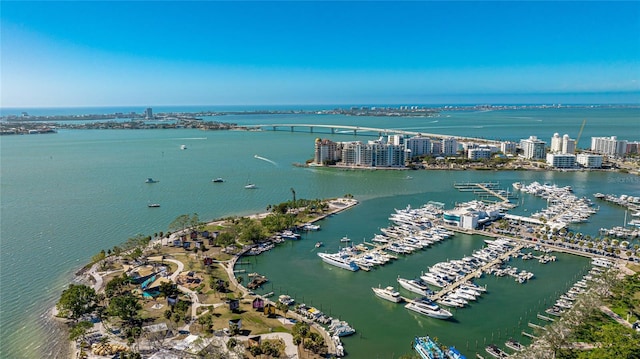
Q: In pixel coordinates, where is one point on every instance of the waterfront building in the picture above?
(372, 154)
(556, 143)
(449, 146)
(568, 145)
(561, 160)
(419, 146)
(395, 140)
(326, 151)
(589, 160)
(609, 146)
(475, 154)
(148, 113)
(508, 147)
(436, 148)
(533, 148)
(633, 147)
(352, 153)
(472, 214)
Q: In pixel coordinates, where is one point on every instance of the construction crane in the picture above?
(580, 133)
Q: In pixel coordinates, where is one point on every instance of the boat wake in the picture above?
(192, 138)
(265, 159)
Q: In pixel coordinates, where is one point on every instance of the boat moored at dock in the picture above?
(427, 348)
(495, 352)
(388, 293)
(416, 286)
(426, 307)
(339, 260)
(514, 345)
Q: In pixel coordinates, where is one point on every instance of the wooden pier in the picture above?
(536, 326)
(543, 317)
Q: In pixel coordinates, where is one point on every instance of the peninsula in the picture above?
(180, 287)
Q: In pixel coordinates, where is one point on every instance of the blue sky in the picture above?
(91, 53)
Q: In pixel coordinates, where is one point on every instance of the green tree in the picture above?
(126, 307)
(180, 223)
(77, 300)
(232, 343)
(283, 308)
(252, 232)
(615, 342)
(117, 286)
(206, 321)
(80, 330)
(167, 289)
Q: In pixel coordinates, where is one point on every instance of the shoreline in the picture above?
(89, 276)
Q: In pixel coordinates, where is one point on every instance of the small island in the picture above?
(175, 294)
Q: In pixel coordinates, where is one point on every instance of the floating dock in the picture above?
(489, 189)
(540, 316)
(444, 291)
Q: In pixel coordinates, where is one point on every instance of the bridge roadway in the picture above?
(380, 131)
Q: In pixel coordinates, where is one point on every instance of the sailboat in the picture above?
(250, 185)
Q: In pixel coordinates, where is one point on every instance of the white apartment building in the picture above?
(556, 143)
(560, 160)
(609, 146)
(568, 145)
(449, 146)
(533, 148)
(325, 151)
(563, 144)
(373, 154)
(508, 147)
(475, 154)
(589, 160)
(419, 146)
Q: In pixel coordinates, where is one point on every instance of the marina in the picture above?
(378, 191)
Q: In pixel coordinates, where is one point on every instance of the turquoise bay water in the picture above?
(66, 196)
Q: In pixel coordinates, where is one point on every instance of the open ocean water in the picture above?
(66, 196)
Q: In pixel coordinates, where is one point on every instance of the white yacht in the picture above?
(183, 147)
(388, 293)
(434, 280)
(339, 260)
(601, 262)
(428, 308)
(250, 186)
(311, 227)
(416, 286)
(285, 299)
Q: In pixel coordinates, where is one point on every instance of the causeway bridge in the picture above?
(296, 127)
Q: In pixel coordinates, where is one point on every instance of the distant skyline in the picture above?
(121, 53)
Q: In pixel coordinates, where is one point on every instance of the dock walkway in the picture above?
(444, 291)
(486, 187)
